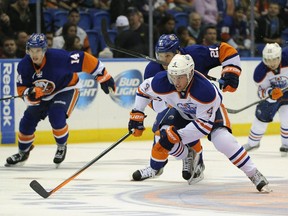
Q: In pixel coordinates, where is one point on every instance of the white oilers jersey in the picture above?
(267, 79)
(198, 103)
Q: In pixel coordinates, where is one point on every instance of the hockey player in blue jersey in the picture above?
(200, 113)
(271, 76)
(206, 58)
(48, 81)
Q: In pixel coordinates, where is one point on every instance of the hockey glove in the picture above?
(276, 93)
(136, 122)
(33, 95)
(106, 81)
(169, 137)
(230, 76)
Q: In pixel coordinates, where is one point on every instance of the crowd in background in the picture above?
(208, 22)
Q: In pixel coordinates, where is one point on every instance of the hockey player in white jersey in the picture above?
(271, 75)
(200, 112)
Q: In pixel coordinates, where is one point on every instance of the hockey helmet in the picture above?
(37, 41)
(181, 65)
(167, 43)
(272, 54)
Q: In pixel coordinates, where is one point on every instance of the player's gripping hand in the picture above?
(136, 122)
(230, 76)
(33, 95)
(276, 93)
(107, 82)
(169, 137)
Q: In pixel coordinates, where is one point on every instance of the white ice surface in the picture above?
(105, 188)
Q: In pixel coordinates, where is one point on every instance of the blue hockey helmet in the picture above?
(37, 40)
(167, 43)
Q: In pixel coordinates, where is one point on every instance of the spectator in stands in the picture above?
(102, 4)
(209, 36)
(118, 8)
(184, 37)
(72, 43)
(138, 26)
(166, 24)
(234, 31)
(185, 5)
(195, 25)
(69, 30)
(270, 26)
(207, 10)
(5, 25)
(9, 48)
(21, 39)
(23, 17)
(74, 18)
(126, 38)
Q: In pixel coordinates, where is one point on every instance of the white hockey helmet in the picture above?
(181, 65)
(272, 54)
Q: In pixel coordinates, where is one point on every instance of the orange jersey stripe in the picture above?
(74, 80)
(73, 102)
(89, 63)
(225, 51)
(21, 89)
(225, 116)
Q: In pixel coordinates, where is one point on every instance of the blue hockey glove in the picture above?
(169, 137)
(230, 76)
(107, 85)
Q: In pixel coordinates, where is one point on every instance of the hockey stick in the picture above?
(37, 187)
(136, 54)
(234, 111)
(12, 97)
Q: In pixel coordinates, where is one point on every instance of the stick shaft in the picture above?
(235, 111)
(42, 192)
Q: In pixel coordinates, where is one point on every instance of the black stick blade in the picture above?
(39, 189)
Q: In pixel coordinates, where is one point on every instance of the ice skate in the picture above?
(260, 182)
(187, 168)
(148, 172)
(284, 151)
(60, 154)
(193, 167)
(248, 147)
(19, 158)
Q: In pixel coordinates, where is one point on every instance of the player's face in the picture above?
(179, 81)
(36, 54)
(165, 57)
(272, 63)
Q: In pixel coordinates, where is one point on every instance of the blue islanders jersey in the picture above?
(205, 58)
(58, 71)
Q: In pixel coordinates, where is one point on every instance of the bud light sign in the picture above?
(88, 91)
(8, 69)
(126, 86)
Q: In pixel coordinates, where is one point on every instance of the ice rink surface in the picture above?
(106, 188)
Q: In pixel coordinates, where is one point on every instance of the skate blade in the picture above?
(266, 189)
(284, 154)
(192, 181)
(19, 164)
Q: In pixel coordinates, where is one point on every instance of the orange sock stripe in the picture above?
(25, 138)
(159, 153)
(240, 158)
(58, 133)
(197, 147)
